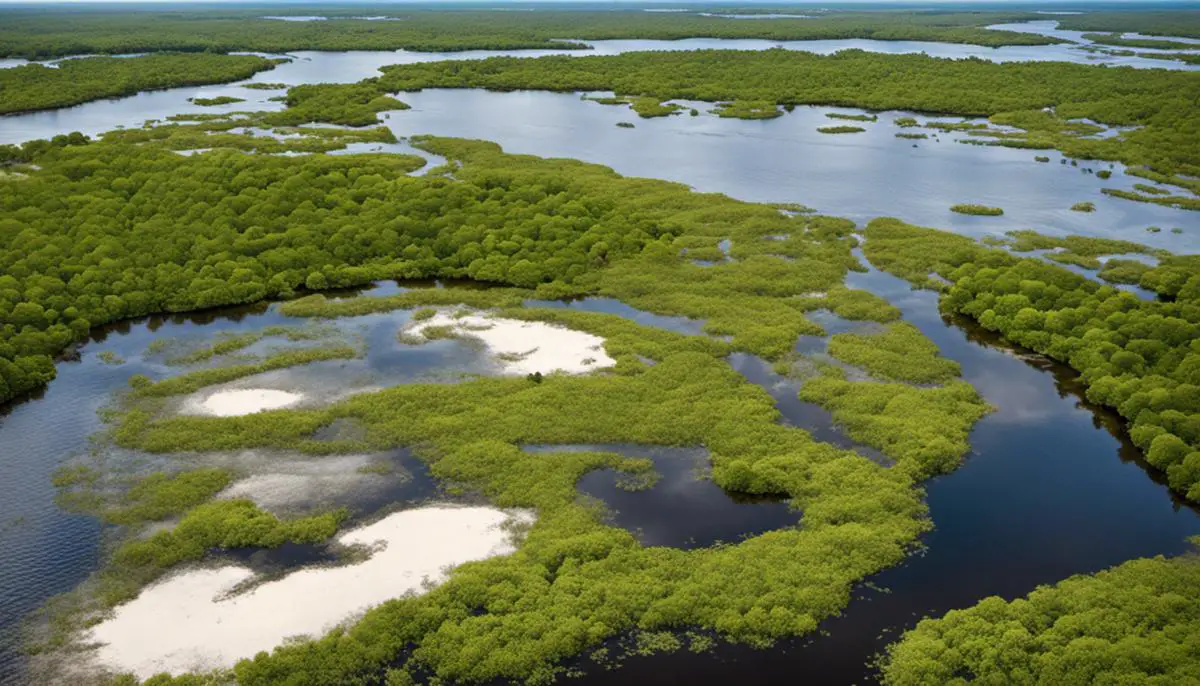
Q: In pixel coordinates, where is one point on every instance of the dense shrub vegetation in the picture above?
(1156, 23)
(1136, 623)
(34, 33)
(123, 226)
(150, 231)
(575, 581)
(1151, 43)
(217, 524)
(840, 129)
(899, 353)
(38, 87)
(219, 100)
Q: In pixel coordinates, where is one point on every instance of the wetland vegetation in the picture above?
(123, 226)
(1043, 100)
(841, 129)
(1135, 623)
(1134, 355)
(58, 33)
(979, 210)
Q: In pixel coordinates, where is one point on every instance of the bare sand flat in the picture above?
(186, 623)
(242, 401)
(525, 347)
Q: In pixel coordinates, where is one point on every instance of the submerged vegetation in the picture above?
(195, 380)
(39, 87)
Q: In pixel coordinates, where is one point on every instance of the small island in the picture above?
(219, 100)
(981, 210)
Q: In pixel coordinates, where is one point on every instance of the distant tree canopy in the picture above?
(70, 82)
(42, 33)
(1184, 23)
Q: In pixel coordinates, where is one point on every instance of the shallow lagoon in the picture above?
(859, 176)
(1049, 490)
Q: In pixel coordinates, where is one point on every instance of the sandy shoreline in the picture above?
(187, 622)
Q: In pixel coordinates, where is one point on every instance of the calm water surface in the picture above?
(1050, 489)
(49, 551)
(859, 176)
(683, 509)
(351, 66)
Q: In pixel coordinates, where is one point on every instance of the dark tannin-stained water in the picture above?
(683, 509)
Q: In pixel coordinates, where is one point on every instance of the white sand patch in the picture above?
(187, 623)
(242, 401)
(526, 347)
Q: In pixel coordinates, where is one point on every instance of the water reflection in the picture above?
(683, 509)
(1051, 488)
(786, 160)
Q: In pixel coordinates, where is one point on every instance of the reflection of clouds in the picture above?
(1018, 399)
(859, 176)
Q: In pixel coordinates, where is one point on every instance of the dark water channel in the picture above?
(683, 509)
(1052, 487)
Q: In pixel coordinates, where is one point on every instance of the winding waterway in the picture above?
(1051, 488)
